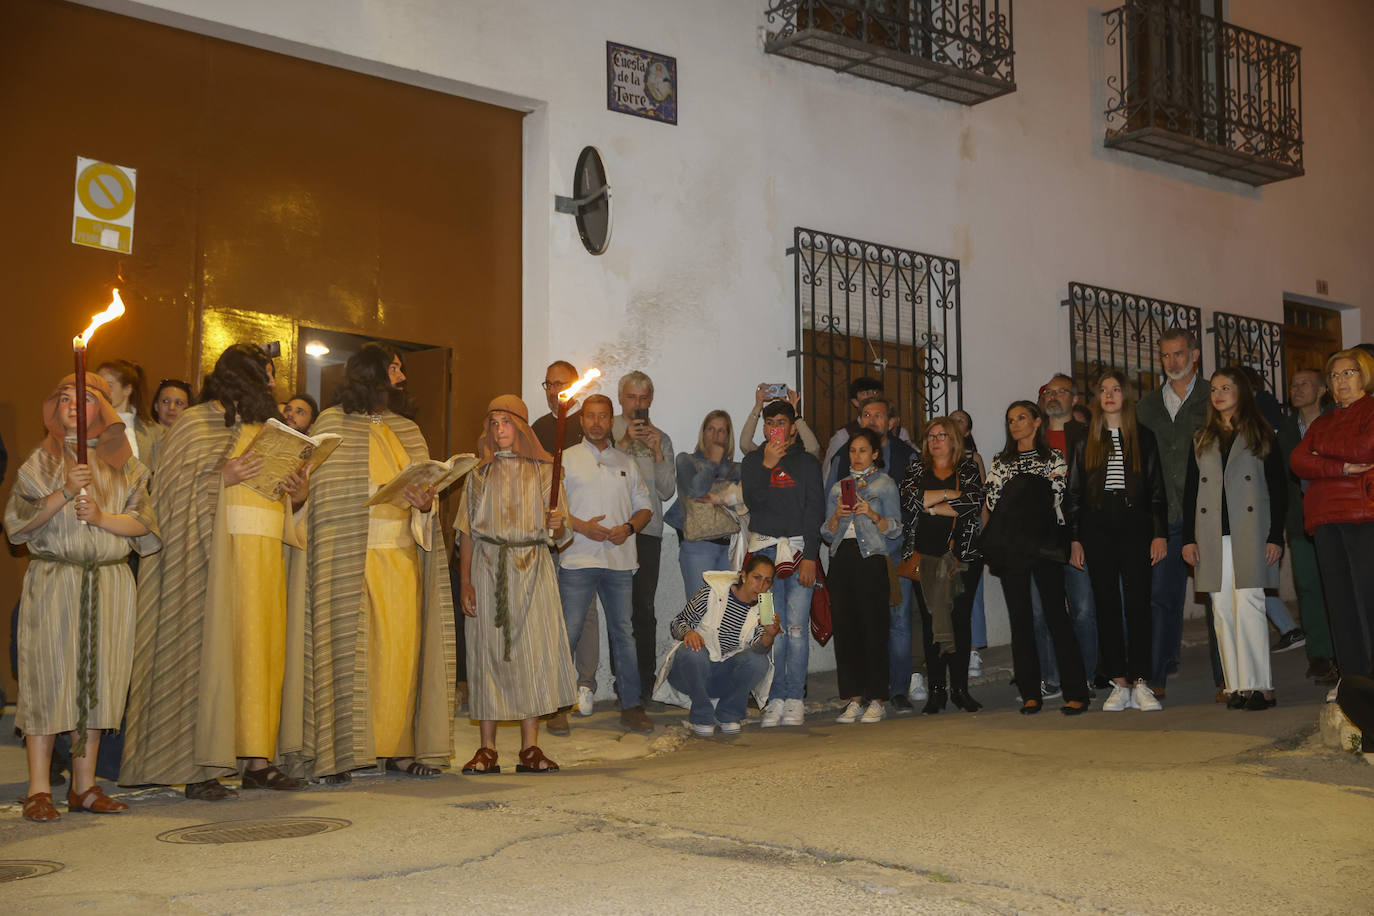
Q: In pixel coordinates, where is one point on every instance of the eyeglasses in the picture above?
(1058, 391)
(934, 436)
(554, 386)
(1345, 373)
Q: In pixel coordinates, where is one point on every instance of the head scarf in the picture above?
(105, 433)
(526, 443)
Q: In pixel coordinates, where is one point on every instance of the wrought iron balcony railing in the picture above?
(1202, 93)
(960, 50)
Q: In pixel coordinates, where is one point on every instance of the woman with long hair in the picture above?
(708, 475)
(1024, 541)
(1118, 517)
(943, 490)
(1234, 500)
(126, 382)
(863, 513)
(169, 400)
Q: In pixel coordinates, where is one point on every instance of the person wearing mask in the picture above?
(708, 475)
(1336, 458)
(300, 411)
(171, 398)
(126, 384)
(1118, 518)
(750, 429)
(1024, 541)
(1308, 396)
(721, 653)
(858, 530)
(1173, 412)
(782, 490)
(1233, 532)
(943, 491)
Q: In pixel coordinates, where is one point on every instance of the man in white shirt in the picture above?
(608, 503)
(652, 451)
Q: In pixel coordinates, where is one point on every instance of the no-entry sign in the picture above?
(103, 208)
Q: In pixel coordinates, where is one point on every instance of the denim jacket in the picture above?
(881, 494)
(696, 475)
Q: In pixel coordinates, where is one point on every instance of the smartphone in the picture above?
(766, 612)
(775, 434)
(849, 493)
(639, 414)
(774, 392)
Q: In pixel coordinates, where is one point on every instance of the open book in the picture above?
(438, 474)
(285, 451)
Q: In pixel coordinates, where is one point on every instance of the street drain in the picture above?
(19, 869)
(253, 831)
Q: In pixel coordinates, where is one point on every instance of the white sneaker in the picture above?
(772, 714)
(851, 713)
(586, 701)
(875, 712)
(1119, 700)
(918, 692)
(702, 731)
(975, 664)
(729, 728)
(1144, 699)
(794, 712)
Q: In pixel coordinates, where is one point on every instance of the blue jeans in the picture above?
(792, 648)
(979, 618)
(1168, 589)
(1078, 590)
(728, 681)
(615, 588)
(697, 557)
(899, 637)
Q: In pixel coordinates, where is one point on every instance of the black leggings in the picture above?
(953, 659)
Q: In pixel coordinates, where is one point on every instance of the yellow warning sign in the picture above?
(103, 208)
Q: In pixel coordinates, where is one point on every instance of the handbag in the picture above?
(910, 568)
(707, 521)
(822, 627)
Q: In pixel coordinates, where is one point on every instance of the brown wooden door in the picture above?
(1311, 334)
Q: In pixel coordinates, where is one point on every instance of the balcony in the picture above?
(958, 50)
(1202, 93)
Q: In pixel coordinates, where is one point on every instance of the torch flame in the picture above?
(112, 311)
(567, 394)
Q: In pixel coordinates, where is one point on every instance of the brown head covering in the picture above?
(105, 433)
(526, 443)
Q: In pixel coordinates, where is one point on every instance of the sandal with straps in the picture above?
(269, 777)
(94, 801)
(482, 763)
(39, 807)
(415, 768)
(532, 760)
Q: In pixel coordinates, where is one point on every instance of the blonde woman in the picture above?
(708, 474)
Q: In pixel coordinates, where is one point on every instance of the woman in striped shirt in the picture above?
(1118, 517)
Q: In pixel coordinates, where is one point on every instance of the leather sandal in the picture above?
(415, 768)
(39, 807)
(269, 777)
(532, 760)
(338, 779)
(209, 790)
(482, 763)
(94, 801)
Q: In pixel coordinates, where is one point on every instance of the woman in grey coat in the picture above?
(1234, 503)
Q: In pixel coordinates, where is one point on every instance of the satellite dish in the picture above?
(590, 204)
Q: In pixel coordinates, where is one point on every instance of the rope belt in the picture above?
(88, 639)
(503, 584)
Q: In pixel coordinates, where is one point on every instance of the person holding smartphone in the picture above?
(724, 636)
(863, 514)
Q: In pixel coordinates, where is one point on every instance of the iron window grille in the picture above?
(1195, 90)
(1253, 342)
(959, 50)
(866, 309)
(1109, 329)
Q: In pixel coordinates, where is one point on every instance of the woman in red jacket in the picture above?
(1337, 457)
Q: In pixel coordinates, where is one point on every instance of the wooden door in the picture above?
(1311, 334)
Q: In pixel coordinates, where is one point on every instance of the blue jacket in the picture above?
(881, 494)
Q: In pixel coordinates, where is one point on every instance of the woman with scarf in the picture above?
(519, 667)
(76, 615)
(944, 488)
(857, 531)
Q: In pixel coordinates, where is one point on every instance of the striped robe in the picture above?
(181, 700)
(338, 715)
(50, 607)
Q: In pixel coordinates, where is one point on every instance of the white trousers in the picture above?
(1242, 629)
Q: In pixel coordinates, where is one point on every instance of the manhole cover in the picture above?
(252, 831)
(19, 869)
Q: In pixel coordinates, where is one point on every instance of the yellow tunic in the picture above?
(255, 526)
(392, 576)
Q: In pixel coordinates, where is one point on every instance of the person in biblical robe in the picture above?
(381, 604)
(76, 612)
(220, 656)
(519, 666)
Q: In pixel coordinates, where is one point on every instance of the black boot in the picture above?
(965, 702)
(936, 703)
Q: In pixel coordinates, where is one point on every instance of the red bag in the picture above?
(821, 627)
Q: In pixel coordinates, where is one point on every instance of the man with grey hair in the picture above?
(652, 452)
